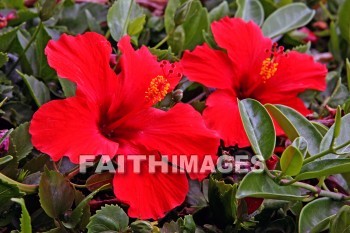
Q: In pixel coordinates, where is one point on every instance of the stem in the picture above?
(318, 191)
(27, 188)
(160, 43)
(323, 153)
(32, 39)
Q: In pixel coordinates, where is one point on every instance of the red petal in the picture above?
(149, 195)
(209, 67)
(296, 73)
(84, 59)
(222, 115)
(179, 131)
(69, 128)
(246, 47)
(138, 69)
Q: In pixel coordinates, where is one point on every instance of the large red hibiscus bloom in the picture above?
(251, 67)
(112, 115)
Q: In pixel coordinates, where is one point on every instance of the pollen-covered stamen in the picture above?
(270, 64)
(158, 89)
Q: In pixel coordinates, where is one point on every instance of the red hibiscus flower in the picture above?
(112, 115)
(251, 67)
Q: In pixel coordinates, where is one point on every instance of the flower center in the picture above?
(270, 64)
(157, 90)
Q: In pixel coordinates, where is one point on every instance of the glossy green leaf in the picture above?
(3, 59)
(20, 142)
(344, 20)
(291, 161)
(344, 136)
(8, 191)
(110, 218)
(301, 144)
(38, 90)
(258, 126)
(287, 18)
(56, 193)
(77, 213)
(256, 184)
(341, 221)
(286, 117)
(119, 16)
(25, 219)
(219, 11)
(250, 10)
(317, 211)
(324, 167)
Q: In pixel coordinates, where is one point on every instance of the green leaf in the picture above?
(288, 117)
(256, 184)
(7, 38)
(291, 161)
(5, 159)
(169, 15)
(77, 213)
(304, 48)
(250, 10)
(324, 167)
(337, 123)
(68, 87)
(344, 20)
(222, 200)
(20, 142)
(320, 127)
(56, 193)
(348, 72)
(140, 226)
(42, 68)
(37, 89)
(3, 59)
(94, 26)
(301, 144)
(344, 136)
(258, 126)
(341, 221)
(286, 19)
(25, 220)
(120, 15)
(97, 180)
(48, 9)
(317, 211)
(110, 218)
(8, 191)
(190, 19)
(219, 11)
(136, 25)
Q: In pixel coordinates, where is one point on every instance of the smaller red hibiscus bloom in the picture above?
(251, 67)
(112, 115)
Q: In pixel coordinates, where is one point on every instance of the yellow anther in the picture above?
(157, 90)
(268, 69)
